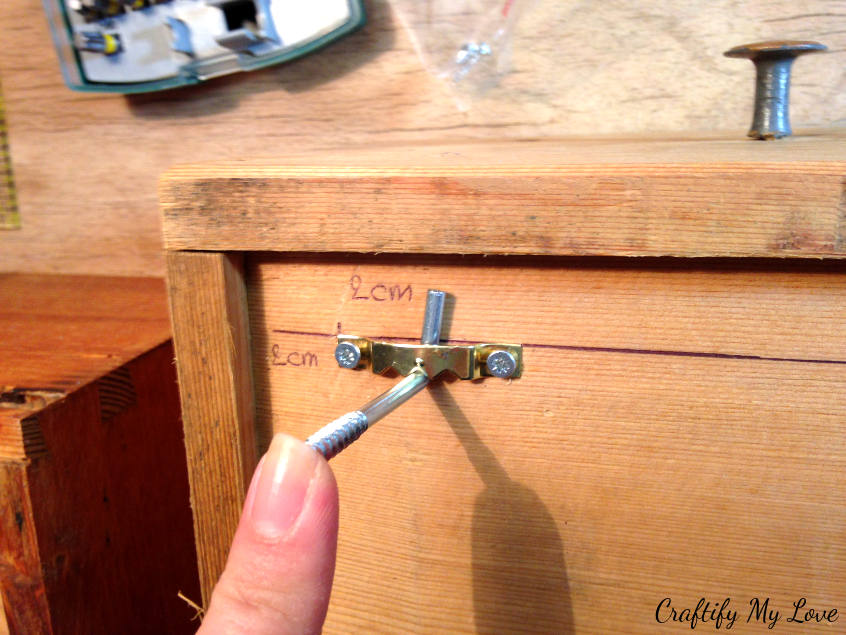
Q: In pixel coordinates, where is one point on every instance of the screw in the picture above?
(501, 364)
(347, 354)
(468, 56)
(773, 61)
(331, 439)
(336, 436)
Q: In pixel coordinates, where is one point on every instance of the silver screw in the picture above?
(334, 437)
(331, 439)
(501, 364)
(347, 354)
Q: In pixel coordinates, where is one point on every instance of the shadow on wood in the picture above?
(519, 573)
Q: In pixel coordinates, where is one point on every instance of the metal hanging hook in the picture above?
(334, 437)
(419, 363)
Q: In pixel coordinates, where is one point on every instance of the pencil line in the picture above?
(594, 349)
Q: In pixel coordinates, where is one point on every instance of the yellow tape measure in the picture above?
(9, 218)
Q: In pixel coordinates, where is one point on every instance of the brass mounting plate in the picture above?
(465, 362)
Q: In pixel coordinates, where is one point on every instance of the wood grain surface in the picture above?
(211, 338)
(86, 165)
(95, 523)
(58, 333)
(26, 608)
(694, 197)
(676, 433)
(102, 512)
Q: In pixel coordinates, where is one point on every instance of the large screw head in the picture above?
(501, 364)
(347, 354)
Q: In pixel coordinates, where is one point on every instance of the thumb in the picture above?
(279, 573)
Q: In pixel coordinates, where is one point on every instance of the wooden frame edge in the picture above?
(208, 305)
(633, 211)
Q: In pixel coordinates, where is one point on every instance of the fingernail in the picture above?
(279, 488)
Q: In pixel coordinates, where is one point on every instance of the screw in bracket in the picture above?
(773, 61)
(337, 435)
(347, 354)
(501, 364)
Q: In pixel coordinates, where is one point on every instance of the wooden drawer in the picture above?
(95, 535)
(676, 432)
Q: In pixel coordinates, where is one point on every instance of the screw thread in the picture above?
(331, 439)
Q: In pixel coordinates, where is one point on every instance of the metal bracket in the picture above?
(419, 363)
(465, 362)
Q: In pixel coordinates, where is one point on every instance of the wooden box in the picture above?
(95, 523)
(678, 429)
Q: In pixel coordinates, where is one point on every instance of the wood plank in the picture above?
(90, 206)
(92, 466)
(60, 332)
(639, 198)
(211, 337)
(105, 506)
(21, 583)
(677, 432)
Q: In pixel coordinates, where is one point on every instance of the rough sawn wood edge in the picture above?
(793, 210)
(211, 340)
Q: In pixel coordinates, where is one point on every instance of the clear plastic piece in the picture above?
(465, 42)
